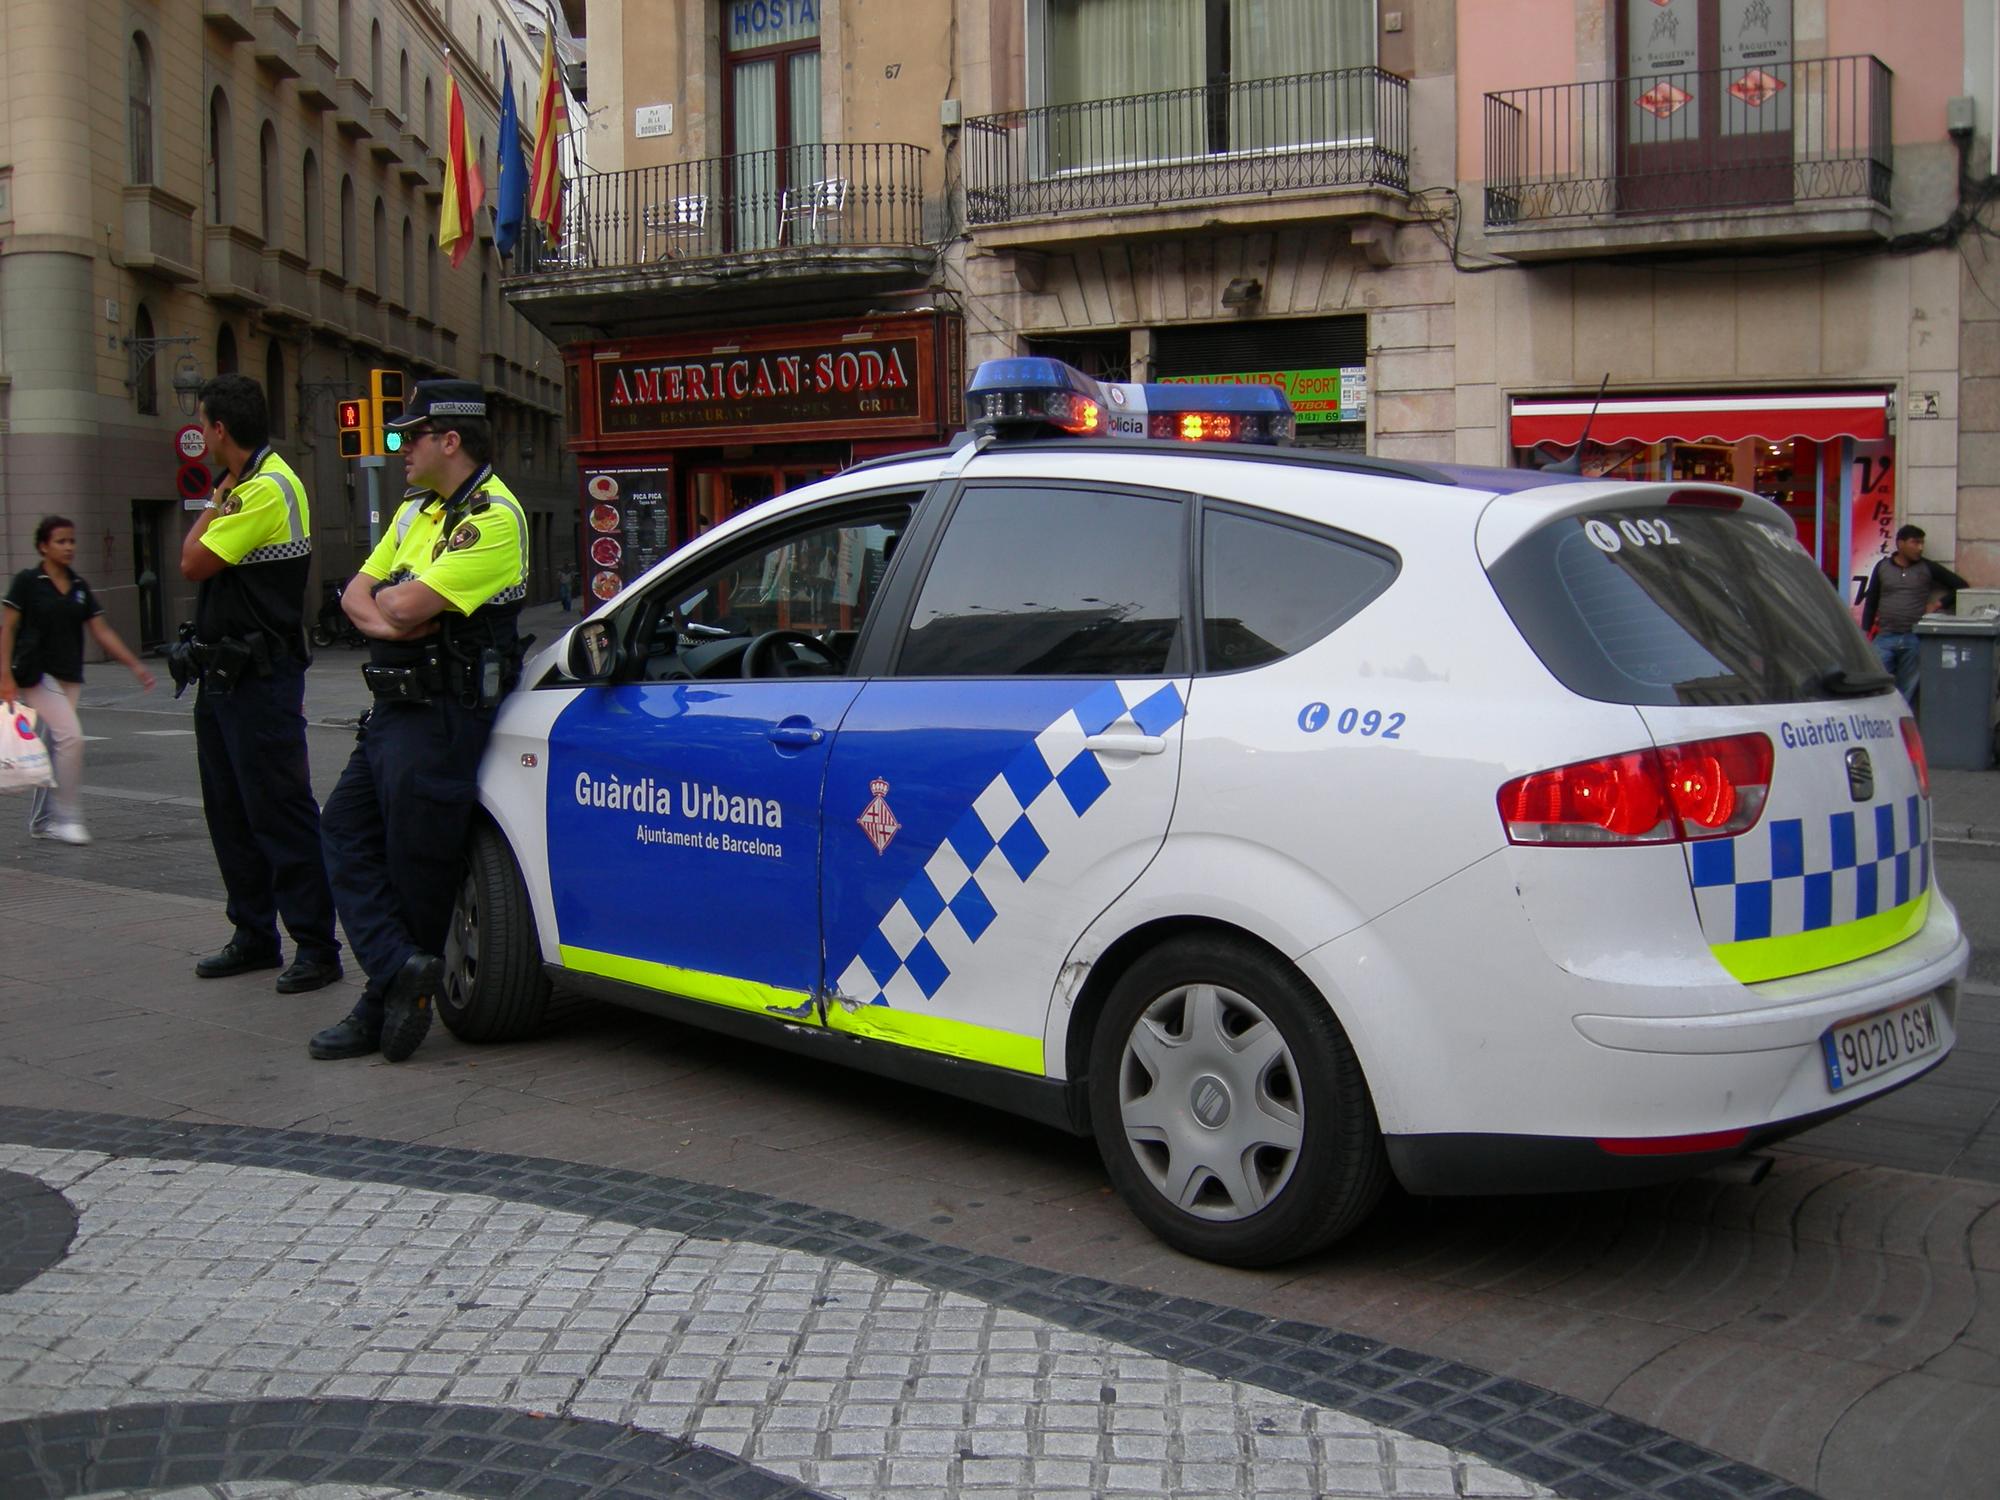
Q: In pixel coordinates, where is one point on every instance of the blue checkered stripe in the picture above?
(997, 845)
(1802, 874)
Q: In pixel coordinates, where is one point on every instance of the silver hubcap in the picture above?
(1209, 1097)
(461, 947)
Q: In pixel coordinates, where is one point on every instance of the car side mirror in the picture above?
(592, 654)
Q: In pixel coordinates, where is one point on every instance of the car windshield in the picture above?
(1682, 605)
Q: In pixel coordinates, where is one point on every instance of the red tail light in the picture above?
(1698, 790)
(1913, 741)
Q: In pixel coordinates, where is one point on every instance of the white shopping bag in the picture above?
(24, 754)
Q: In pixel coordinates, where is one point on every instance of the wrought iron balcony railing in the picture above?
(1344, 128)
(1805, 132)
(795, 198)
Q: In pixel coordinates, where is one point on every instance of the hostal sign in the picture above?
(844, 384)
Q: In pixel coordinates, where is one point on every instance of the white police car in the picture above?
(1288, 821)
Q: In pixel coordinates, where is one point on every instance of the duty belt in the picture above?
(414, 684)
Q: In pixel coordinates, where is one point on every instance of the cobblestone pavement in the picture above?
(335, 1315)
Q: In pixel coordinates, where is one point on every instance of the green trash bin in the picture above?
(1955, 697)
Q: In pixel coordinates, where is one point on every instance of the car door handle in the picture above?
(796, 736)
(1125, 744)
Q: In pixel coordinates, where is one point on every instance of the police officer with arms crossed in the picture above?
(251, 552)
(438, 599)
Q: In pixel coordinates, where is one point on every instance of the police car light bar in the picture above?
(1035, 397)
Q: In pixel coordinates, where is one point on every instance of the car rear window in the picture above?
(1682, 605)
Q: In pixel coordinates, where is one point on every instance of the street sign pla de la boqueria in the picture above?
(848, 386)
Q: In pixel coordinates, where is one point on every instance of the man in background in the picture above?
(1903, 589)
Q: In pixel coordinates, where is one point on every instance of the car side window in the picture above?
(1271, 588)
(1033, 580)
(808, 586)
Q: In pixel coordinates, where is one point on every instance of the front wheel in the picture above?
(494, 988)
(322, 634)
(1229, 1107)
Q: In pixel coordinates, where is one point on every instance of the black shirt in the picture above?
(51, 622)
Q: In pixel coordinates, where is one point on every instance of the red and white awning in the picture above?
(1819, 415)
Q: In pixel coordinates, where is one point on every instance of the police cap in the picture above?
(440, 401)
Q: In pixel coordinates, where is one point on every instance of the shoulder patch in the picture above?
(229, 504)
(463, 537)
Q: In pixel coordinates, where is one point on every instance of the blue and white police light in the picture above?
(1034, 396)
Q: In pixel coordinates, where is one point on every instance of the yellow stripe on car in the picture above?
(1802, 952)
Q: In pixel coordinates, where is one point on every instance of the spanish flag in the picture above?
(545, 179)
(464, 188)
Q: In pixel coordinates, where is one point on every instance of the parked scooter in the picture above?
(333, 627)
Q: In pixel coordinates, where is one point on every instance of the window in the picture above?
(773, 112)
(375, 59)
(309, 183)
(348, 252)
(221, 161)
(432, 300)
(403, 86)
(1191, 77)
(381, 246)
(274, 386)
(343, 43)
(225, 350)
(819, 581)
(1045, 581)
(1270, 588)
(270, 196)
(485, 315)
(145, 373)
(139, 109)
(409, 287)
(1680, 605)
(430, 107)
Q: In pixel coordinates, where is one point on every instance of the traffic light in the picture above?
(353, 428)
(385, 400)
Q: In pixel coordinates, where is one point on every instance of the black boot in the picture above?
(406, 1019)
(236, 957)
(357, 1036)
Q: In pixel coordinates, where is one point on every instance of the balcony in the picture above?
(1267, 152)
(362, 311)
(385, 128)
(159, 235)
(783, 227)
(288, 290)
(447, 350)
(414, 159)
(277, 42)
(233, 265)
(352, 101)
(229, 18)
(1797, 153)
(493, 374)
(316, 72)
(329, 303)
(422, 340)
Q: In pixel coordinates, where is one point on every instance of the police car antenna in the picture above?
(1574, 463)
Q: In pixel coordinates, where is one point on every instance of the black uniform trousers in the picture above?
(395, 830)
(250, 744)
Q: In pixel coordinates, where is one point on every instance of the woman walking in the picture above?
(46, 610)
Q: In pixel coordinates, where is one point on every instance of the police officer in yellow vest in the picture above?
(251, 552)
(438, 599)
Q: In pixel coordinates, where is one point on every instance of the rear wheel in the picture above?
(1229, 1108)
(494, 987)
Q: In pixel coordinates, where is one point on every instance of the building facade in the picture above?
(227, 186)
(1727, 237)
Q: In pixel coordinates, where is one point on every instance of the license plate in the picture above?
(1860, 1050)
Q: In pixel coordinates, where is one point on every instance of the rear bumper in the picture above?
(1469, 1164)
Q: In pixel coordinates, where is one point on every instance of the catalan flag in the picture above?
(545, 179)
(464, 188)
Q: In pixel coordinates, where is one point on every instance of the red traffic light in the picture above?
(353, 429)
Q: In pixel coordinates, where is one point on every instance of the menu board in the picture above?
(627, 525)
